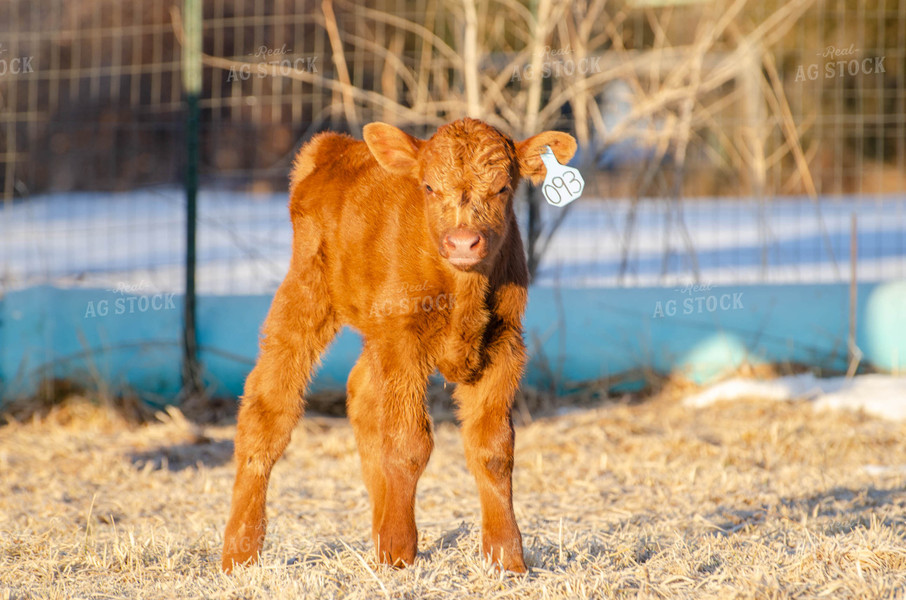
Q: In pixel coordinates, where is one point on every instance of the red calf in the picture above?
(372, 222)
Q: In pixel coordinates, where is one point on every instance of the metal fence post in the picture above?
(191, 58)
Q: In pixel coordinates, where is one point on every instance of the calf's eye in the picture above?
(504, 189)
(428, 188)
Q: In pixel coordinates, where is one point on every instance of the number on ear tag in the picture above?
(562, 184)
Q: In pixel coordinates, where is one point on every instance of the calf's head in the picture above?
(468, 172)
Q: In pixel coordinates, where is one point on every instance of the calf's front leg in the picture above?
(393, 433)
(485, 408)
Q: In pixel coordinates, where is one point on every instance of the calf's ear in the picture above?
(395, 150)
(529, 153)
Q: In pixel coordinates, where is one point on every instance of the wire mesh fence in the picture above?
(722, 143)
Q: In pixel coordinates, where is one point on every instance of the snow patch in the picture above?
(95, 239)
(881, 470)
(879, 395)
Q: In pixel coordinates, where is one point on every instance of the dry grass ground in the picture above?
(650, 500)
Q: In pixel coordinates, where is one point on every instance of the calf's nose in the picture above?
(462, 242)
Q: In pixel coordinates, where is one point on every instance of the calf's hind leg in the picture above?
(298, 327)
(363, 407)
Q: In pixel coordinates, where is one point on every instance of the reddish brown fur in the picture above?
(375, 222)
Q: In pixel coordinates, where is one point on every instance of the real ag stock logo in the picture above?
(14, 65)
(272, 60)
(557, 63)
(410, 299)
(849, 65)
(129, 302)
(697, 299)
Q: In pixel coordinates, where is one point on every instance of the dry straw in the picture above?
(644, 500)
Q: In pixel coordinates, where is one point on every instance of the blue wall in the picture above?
(573, 335)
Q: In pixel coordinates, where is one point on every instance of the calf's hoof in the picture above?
(240, 548)
(396, 546)
(505, 555)
(514, 564)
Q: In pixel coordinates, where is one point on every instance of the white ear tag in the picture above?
(562, 184)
